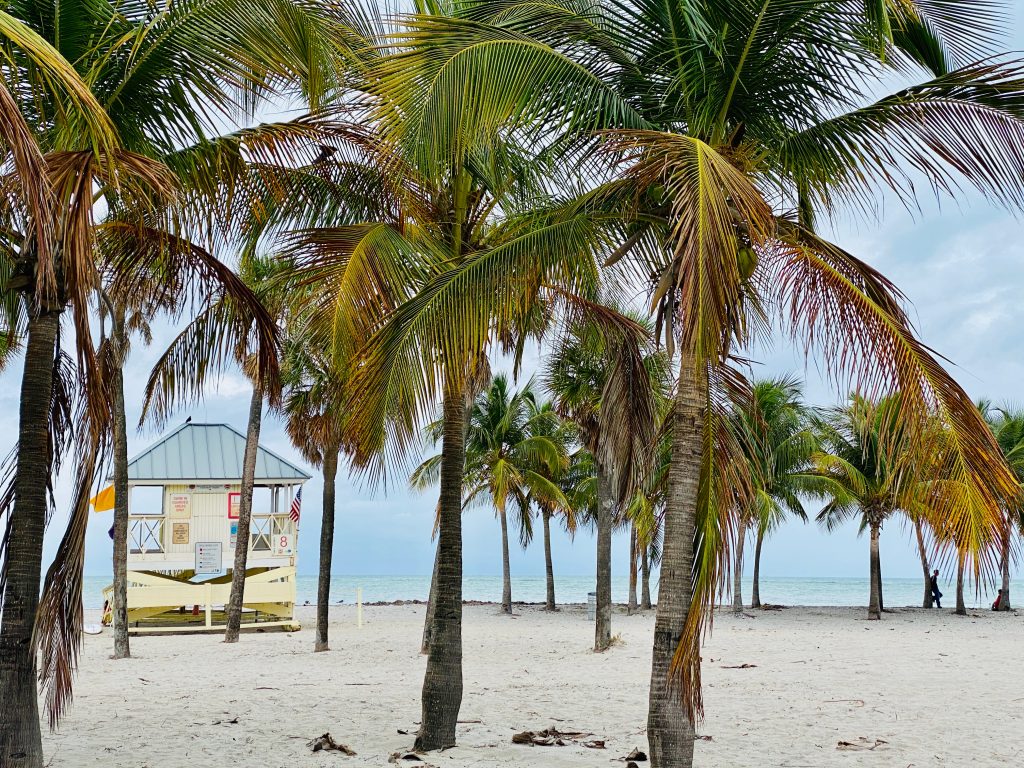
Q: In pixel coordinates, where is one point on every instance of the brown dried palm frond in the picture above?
(62, 432)
(75, 177)
(57, 634)
(33, 187)
(724, 489)
(846, 312)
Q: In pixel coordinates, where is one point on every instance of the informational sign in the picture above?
(234, 534)
(208, 557)
(179, 533)
(284, 544)
(234, 505)
(180, 504)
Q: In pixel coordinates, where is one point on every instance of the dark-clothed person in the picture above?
(936, 594)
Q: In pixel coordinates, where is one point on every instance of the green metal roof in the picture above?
(203, 452)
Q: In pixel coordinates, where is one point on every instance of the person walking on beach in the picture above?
(936, 594)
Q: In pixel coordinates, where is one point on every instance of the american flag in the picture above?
(293, 513)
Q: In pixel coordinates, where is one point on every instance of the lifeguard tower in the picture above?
(183, 507)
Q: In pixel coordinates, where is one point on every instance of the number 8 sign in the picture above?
(284, 544)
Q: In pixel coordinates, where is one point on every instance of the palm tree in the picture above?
(721, 107)
(600, 387)
(467, 248)
(315, 405)
(113, 352)
(507, 462)
(775, 433)
(871, 473)
(226, 330)
(1007, 424)
(148, 72)
(47, 237)
(545, 422)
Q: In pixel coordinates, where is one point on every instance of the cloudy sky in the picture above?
(959, 264)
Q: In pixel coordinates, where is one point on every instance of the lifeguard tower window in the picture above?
(263, 500)
(146, 500)
(146, 519)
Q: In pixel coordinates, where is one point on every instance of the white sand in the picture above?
(940, 690)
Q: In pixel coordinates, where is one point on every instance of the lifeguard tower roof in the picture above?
(208, 452)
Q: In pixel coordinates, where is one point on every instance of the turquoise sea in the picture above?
(574, 589)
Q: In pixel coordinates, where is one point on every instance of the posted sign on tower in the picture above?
(208, 557)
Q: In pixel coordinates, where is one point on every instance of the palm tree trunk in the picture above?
(252, 439)
(20, 739)
(737, 576)
(442, 683)
(875, 602)
(919, 534)
(323, 586)
(549, 569)
(506, 568)
(119, 607)
(755, 590)
(631, 604)
(1004, 598)
(645, 580)
(961, 608)
(428, 619)
(878, 575)
(605, 504)
(669, 729)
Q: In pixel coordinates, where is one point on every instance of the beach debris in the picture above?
(858, 702)
(232, 721)
(740, 666)
(861, 744)
(327, 744)
(594, 744)
(552, 737)
(631, 764)
(706, 738)
(636, 754)
(397, 757)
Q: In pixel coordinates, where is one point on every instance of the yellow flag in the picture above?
(104, 500)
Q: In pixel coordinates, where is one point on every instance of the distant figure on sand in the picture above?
(936, 595)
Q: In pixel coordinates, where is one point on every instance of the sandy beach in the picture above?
(921, 688)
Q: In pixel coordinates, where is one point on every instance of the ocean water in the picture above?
(574, 589)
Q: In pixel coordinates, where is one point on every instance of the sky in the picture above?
(960, 265)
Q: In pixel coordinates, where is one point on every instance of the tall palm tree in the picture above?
(1007, 423)
(474, 248)
(871, 472)
(125, 322)
(149, 72)
(612, 394)
(778, 442)
(314, 403)
(740, 122)
(47, 236)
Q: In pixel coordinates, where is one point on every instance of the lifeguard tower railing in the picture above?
(148, 536)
